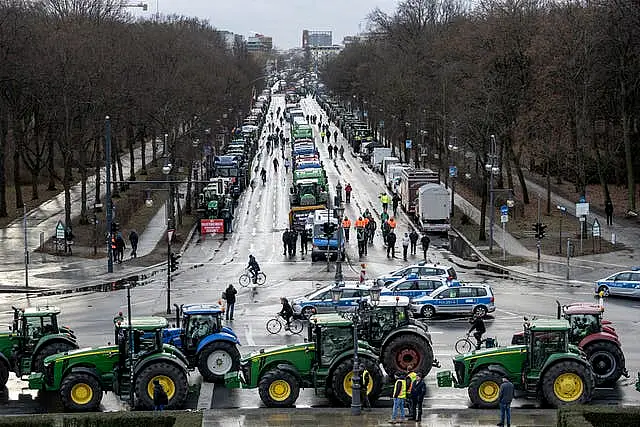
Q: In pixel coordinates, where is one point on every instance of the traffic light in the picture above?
(536, 229)
(542, 231)
(174, 262)
(114, 227)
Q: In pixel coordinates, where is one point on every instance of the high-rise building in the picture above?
(259, 43)
(316, 38)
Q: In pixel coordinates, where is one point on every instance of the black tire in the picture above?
(278, 389)
(261, 278)
(480, 310)
(172, 377)
(244, 280)
(568, 383)
(428, 311)
(80, 391)
(48, 350)
(604, 289)
(407, 349)
(217, 359)
(343, 373)
(4, 374)
(607, 361)
(296, 326)
(274, 326)
(484, 389)
(463, 345)
(307, 312)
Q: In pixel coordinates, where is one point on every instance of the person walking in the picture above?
(230, 297)
(399, 396)
(395, 200)
(293, 240)
(304, 240)
(410, 379)
(285, 242)
(405, 245)
(133, 239)
(330, 149)
(347, 193)
(120, 247)
(335, 136)
(160, 398)
(68, 240)
(413, 237)
(346, 226)
(505, 398)
(391, 243)
(424, 241)
(608, 209)
(371, 229)
(385, 199)
(287, 163)
(418, 391)
(341, 151)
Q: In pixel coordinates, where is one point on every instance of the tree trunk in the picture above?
(123, 186)
(98, 167)
(17, 182)
(84, 217)
(143, 151)
(626, 135)
(4, 129)
(131, 142)
(483, 205)
(521, 180)
(548, 182)
(115, 192)
(66, 183)
(50, 159)
(187, 201)
(154, 147)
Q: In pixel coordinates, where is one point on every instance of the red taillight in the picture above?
(492, 299)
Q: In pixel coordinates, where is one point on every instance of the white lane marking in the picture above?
(249, 335)
(253, 232)
(507, 312)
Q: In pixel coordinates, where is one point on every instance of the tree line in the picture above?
(67, 64)
(555, 82)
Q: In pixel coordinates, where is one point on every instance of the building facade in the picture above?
(316, 38)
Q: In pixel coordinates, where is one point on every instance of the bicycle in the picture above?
(466, 344)
(247, 277)
(274, 325)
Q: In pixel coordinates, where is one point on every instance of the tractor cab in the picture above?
(332, 335)
(31, 324)
(543, 339)
(585, 319)
(389, 315)
(147, 334)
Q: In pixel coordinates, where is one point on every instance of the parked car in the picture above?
(414, 286)
(624, 283)
(421, 269)
(320, 301)
(456, 298)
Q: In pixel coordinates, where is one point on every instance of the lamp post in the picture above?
(166, 170)
(356, 318)
(453, 171)
(492, 168)
(107, 157)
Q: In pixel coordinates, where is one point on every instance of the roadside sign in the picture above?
(582, 209)
(170, 234)
(453, 171)
(407, 144)
(60, 230)
(595, 229)
(504, 218)
(504, 210)
(211, 226)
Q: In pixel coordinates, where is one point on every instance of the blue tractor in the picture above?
(207, 344)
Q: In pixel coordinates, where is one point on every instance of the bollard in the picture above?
(363, 273)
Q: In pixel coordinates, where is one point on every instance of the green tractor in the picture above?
(34, 335)
(546, 366)
(81, 376)
(324, 363)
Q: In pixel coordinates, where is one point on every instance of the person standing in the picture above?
(230, 296)
(346, 225)
(365, 380)
(391, 243)
(505, 398)
(160, 398)
(608, 209)
(405, 245)
(413, 237)
(335, 136)
(120, 246)
(347, 193)
(424, 241)
(330, 149)
(341, 151)
(399, 396)
(68, 240)
(287, 163)
(384, 199)
(293, 240)
(396, 199)
(418, 391)
(285, 242)
(410, 379)
(304, 240)
(133, 239)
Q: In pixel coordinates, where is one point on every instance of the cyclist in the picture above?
(477, 324)
(253, 268)
(286, 312)
(263, 174)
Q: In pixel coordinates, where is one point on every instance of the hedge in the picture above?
(599, 416)
(106, 419)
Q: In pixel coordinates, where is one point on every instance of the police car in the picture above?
(624, 283)
(457, 298)
(413, 286)
(421, 269)
(320, 301)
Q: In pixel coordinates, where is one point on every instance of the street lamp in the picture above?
(166, 170)
(492, 168)
(356, 317)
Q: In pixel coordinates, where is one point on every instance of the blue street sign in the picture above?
(407, 144)
(504, 209)
(582, 199)
(453, 171)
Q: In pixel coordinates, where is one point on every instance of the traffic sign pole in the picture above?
(107, 156)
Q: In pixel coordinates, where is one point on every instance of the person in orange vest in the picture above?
(346, 225)
(361, 236)
(392, 223)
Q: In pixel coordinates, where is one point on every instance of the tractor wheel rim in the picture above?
(489, 391)
(408, 356)
(219, 362)
(347, 384)
(279, 390)
(167, 384)
(568, 387)
(81, 393)
(603, 363)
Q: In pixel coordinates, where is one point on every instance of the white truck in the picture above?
(434, 208)
(377, 156)
(393, 175)
(386, 162)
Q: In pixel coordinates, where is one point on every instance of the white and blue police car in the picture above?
(421, 269)
(623, 283)
(414, 286)
(320, 301)
(456, 298)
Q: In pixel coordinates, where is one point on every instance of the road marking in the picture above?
(507, 312)
(249, 335)
(253, 232)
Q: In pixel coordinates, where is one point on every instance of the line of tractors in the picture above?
(559, 361)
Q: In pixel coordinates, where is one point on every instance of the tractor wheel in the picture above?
(484, 389)
(4, 374)
(172, 378)
(217, 359)
(279, 389)
(80, 391)
(405, 350)
(567, 383)
(607, 361)
(343, 375)
(48, 350)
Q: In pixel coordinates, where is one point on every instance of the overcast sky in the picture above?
(284, 20)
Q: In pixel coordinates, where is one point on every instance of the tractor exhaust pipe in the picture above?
(559, 310)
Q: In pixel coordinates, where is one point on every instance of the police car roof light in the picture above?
(636, 268)
(412, 276)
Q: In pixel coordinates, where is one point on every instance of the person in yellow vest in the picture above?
(346, 225)
(399, 396)
(411, 377)
(385, 199)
